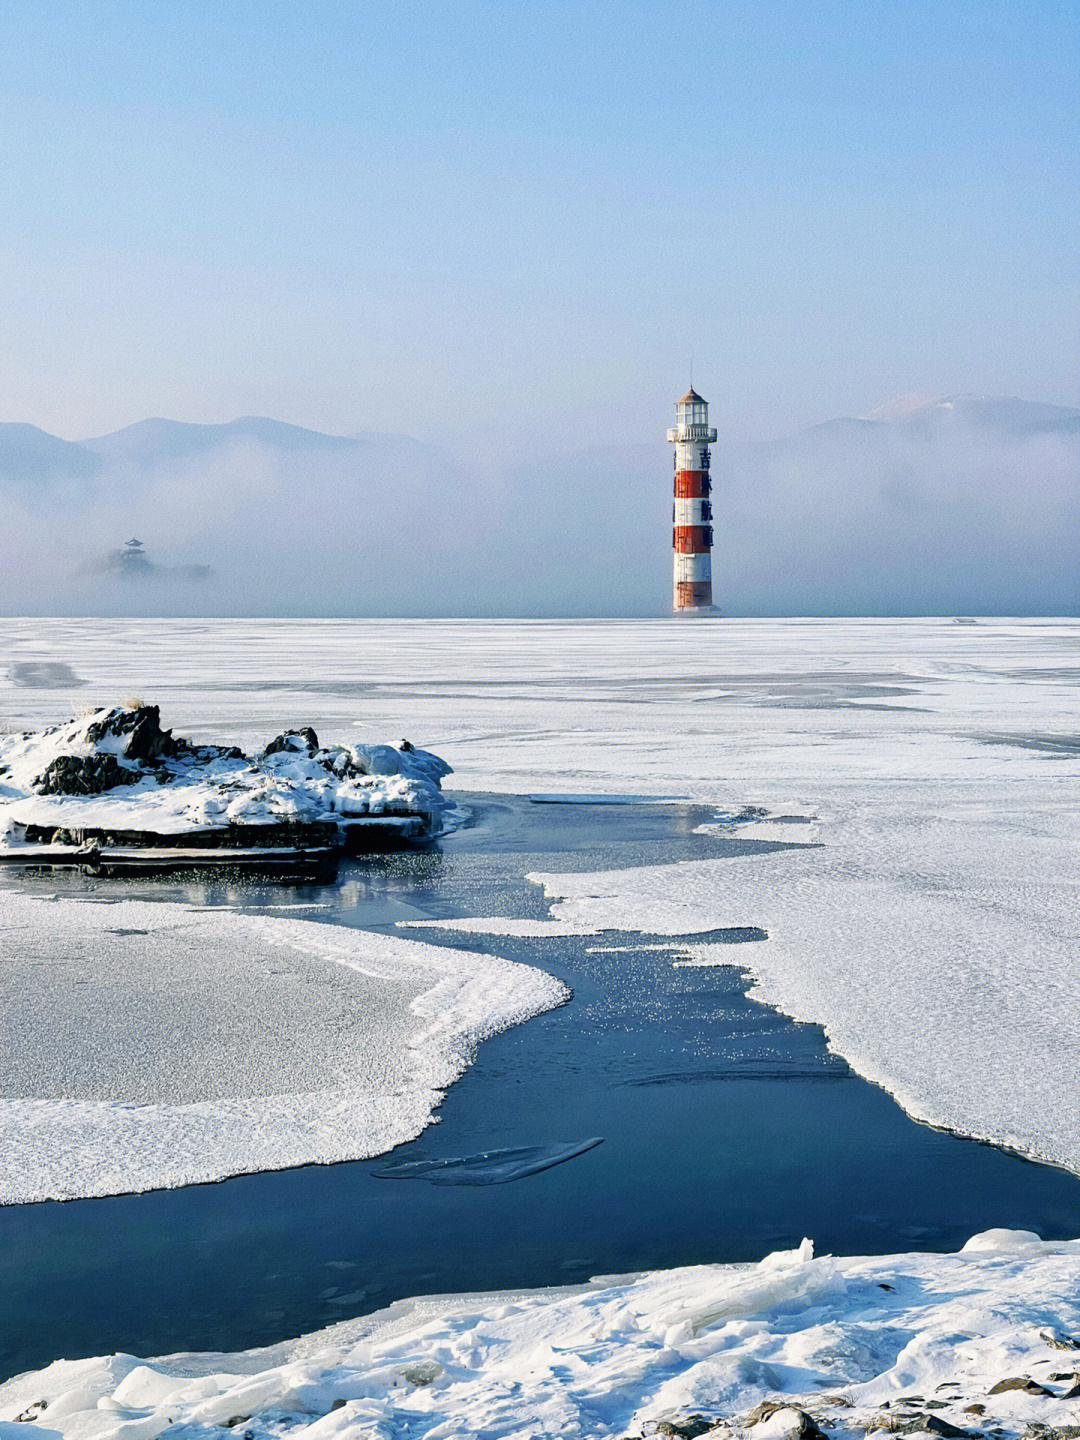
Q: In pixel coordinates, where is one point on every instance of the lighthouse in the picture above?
(692, 512)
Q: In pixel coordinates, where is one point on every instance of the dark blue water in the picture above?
(727, 1131)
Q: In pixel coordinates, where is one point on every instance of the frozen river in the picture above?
(726, 1131)
(927, 921)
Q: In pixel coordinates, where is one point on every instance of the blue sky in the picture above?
(520, 219)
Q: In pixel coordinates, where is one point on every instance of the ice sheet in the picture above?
(859, 1344)
(570, 799)
(655, 707)
(151, 1045)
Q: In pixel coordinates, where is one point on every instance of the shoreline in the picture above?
(979, 1340)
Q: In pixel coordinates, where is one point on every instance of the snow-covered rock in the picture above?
(116, 768)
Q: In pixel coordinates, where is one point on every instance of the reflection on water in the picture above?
(727, 1131)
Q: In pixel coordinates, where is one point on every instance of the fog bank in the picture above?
(966, 505)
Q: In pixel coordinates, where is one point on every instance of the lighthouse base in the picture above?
(692, 594)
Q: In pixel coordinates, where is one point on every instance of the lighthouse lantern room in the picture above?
(692, 513)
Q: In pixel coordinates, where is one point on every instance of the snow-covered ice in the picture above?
(897, 1343)
(508, 925)
(151, 1045)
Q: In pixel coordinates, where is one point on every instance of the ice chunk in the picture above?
(490, 1167)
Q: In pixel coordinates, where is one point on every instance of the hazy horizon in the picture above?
(970, 505)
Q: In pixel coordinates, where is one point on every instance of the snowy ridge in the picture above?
(893, 1344)
(398, 1045)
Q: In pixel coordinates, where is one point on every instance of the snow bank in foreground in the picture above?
(902, 1343)
(937, 946)
(408, 1019)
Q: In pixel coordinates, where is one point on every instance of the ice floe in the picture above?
(152, 1045)
(982, 1341)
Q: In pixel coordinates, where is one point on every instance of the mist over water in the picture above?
(970, 507)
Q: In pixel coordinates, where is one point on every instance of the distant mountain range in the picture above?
(962, 502)
(28, 454)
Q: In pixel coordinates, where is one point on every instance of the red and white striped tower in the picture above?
(692, 512)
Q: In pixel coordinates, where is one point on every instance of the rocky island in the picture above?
(112, 790)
